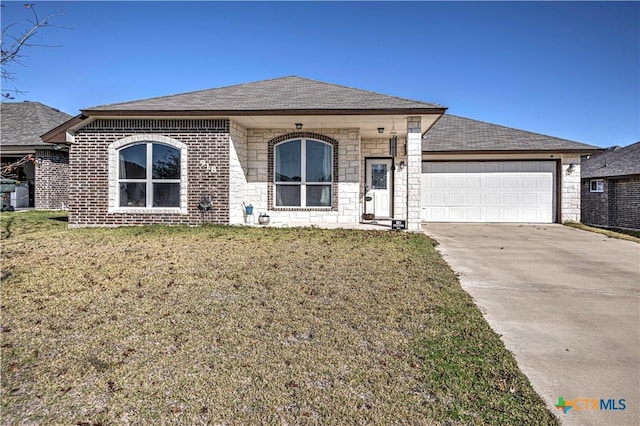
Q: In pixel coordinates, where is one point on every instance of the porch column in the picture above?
(414, 172)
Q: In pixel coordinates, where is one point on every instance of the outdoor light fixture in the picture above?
(571, 168)
(401, 165)
(380, 129)
(298, 126)
(39, 161)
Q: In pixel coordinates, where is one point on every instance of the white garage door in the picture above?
(504, 191)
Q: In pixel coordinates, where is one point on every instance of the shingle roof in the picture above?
(24, 122)
(286, 93)
(453, 133)
(613, 162)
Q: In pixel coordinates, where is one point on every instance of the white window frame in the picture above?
(599, 185)
(303, 175)
(114, 180)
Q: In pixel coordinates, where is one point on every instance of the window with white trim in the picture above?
(303, 173)
(596, 185)
(149, 175)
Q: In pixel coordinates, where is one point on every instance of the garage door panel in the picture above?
(531, 182)
(473, 182)
(529, 215)
(510, 198)
(492, 214)
(437, 214)
(489, 191)
(437, 183)
(509, 182)
(456, 182)
(457, 214)
(473, 198)
(530, 199)
(474, 214)
(492, 199)
(510, 215)
(437, 199)
(456, 199)
(492, 182)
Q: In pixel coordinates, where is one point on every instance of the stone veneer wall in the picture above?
(238, 169)
(256, 191)
(570, 193)
(52, 180)
(414, 170)
(208, 171)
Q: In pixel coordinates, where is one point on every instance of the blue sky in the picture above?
(566, 69)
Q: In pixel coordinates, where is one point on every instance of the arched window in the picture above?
(303, 173)
(149, 175)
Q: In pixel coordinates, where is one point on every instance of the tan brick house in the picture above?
(303, 151)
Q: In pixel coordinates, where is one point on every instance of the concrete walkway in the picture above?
(567, 304)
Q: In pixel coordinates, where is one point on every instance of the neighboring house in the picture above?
(43, 183)
(303, 151)
(611, 188)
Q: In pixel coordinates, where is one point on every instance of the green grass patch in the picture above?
(231, 325)
(621, 234)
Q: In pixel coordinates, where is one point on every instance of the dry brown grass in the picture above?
(220, 325)
(620, 234)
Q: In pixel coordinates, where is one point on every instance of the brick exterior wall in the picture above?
(52, 180)
(207, 144)
(618, 206)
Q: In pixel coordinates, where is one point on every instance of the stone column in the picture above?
(414, 172)
(570, 193)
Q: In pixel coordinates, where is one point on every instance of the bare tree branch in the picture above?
(10, 171)
(11, 51)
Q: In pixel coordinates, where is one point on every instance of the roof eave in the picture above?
(614, 176)
(58, 135)
(584, 151)
(262, 112)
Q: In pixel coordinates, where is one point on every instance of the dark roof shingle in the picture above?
(453, 133)
(24, 122)
(286, 93)
(613, 162)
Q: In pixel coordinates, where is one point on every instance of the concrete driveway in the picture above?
(567, 304)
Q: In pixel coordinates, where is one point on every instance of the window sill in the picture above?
(143, 210)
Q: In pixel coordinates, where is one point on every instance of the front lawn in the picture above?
(228, 325)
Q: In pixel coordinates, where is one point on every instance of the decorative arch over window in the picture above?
(303, 171)
(148, 174)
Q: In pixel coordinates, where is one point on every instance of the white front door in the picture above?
(379, 187)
